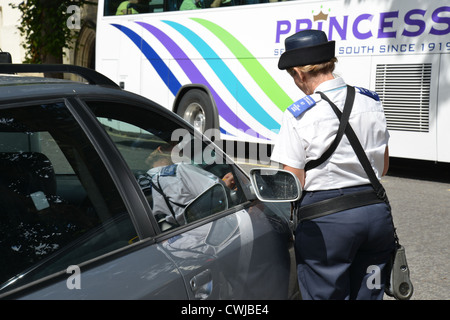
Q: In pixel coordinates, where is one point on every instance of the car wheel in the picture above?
(196, 108)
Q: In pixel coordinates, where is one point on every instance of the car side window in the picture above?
(169, 164)
(59, 206)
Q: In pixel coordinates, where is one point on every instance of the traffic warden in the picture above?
(344, 254)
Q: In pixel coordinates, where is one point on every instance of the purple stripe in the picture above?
(196, 77)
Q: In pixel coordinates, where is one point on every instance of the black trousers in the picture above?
(344, 255)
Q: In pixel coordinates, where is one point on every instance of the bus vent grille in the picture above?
(404, 90)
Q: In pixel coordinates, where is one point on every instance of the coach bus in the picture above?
(216, 64)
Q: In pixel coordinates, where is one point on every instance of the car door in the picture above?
(225, 246)
(71, 224)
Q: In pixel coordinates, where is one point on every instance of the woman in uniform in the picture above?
(345, 254)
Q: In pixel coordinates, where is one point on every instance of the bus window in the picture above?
(121, 7)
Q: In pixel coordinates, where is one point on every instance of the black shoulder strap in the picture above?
(343, 118)
(360, 153)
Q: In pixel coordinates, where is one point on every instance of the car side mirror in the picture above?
(275, 185)
(213, 200)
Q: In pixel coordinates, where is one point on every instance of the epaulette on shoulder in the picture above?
(169, 170)
(297, 108)
(369, 93)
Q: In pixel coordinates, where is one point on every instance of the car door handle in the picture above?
(202, 284)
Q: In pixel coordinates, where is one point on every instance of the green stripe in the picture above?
(251, 64)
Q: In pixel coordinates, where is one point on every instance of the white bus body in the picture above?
(398, 48)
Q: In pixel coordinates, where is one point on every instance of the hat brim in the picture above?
(307, 55)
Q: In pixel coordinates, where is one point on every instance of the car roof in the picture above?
(13, 87)
(13, 79)
(32, 86)
(92, 76)
(16, 87)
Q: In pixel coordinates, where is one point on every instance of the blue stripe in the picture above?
(161, 68)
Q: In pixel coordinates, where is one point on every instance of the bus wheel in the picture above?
(196, 108)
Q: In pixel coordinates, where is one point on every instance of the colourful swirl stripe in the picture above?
(172, 82)
(251, 64)
(229, 80)
(194, 75)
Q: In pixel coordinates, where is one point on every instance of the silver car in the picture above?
(86, 212)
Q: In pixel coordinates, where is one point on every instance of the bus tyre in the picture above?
(196, 108)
